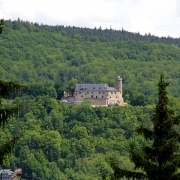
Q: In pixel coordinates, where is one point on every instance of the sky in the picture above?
(157, 17)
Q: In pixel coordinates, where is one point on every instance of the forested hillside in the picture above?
(71, 142)
(74, 142)
(33, 53)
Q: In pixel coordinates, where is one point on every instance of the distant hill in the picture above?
(87, 34)
(32, 52)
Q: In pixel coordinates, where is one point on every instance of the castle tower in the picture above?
(119, 84)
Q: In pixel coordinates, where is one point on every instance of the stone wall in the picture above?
(100, 97)
(98, 102)
(83, 95)
(114, 98)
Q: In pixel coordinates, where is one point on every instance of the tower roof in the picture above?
(118, 77)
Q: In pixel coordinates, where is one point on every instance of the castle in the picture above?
(98, 94)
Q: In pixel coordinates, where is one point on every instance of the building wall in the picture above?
(102, 98)
(114, 98)
(6, 174)
(87, 95)
(119, 84)
(98, 102)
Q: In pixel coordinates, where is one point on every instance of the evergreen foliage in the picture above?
(1, 26)
(159, 158)
(5, 115)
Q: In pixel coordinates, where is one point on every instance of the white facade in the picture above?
(6, 174)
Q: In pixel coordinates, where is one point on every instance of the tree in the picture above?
(159, 158)
(5, 115)
(1, 26)
(71, 85)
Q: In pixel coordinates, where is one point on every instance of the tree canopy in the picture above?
(5, 114)
(35, 54)
(74, 142)
(159, 157)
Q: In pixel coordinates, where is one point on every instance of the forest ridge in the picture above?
(33, 53)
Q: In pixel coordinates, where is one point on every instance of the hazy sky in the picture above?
(159, 17)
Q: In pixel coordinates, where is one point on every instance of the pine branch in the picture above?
(176, 120)
(6, 149)
(6, 114)
(142, 160)
(176, 176)
(121, 173)
(172, 166)
(7, 87)
(148, 134)
(1, 26)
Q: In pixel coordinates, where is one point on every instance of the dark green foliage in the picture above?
(40, 89)
(121, 173)
(159, 158)
(7, 87)
(75, 140)
(7, 112)
(47, 55)
(71, 85)
(5, 115)
(60, 88)
(6, 149)
(1, 26)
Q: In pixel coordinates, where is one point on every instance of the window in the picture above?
(102, 96)
(88, 92)
(111, 92)
(92, 96)
(96, 96)
(81, 96)
(99, 92)
(79, 92)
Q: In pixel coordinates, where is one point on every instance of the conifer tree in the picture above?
(1, 26)
(6, 113)
(159, 159)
